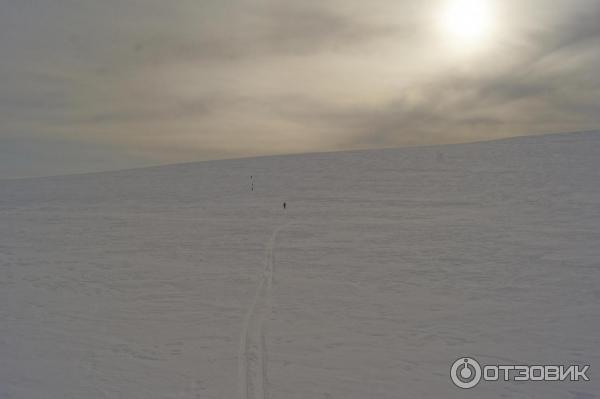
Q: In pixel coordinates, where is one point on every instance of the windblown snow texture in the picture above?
(181, 282)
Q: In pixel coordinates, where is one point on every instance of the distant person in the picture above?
(284, 205)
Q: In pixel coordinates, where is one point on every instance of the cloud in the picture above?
(224, 78)
(269, 29)
(301, 29)
(580, 30)
(461, 107)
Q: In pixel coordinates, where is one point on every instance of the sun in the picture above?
(466, 22)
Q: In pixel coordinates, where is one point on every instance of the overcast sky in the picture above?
(95, 85)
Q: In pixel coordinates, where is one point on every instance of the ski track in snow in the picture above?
(252, 354)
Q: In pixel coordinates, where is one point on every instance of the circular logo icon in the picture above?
(465, 373)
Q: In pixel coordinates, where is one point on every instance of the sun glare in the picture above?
(466, 22)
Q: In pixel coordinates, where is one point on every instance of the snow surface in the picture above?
(388, 265)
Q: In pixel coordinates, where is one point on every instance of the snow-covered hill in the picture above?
(180, 282)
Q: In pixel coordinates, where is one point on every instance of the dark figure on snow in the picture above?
(284, 205)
